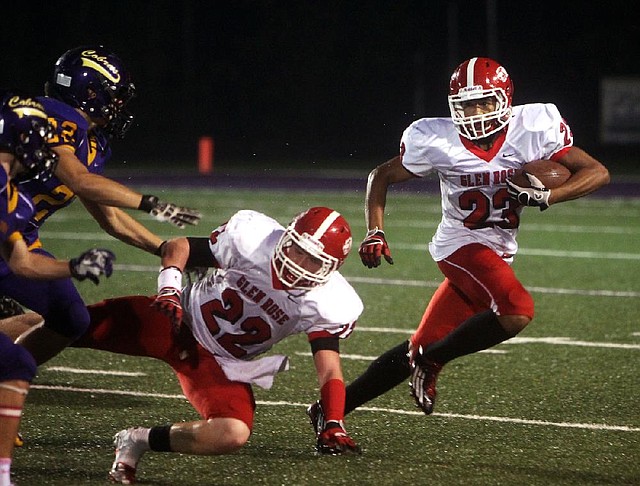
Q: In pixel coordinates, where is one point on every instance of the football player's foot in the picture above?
(128, 453)
(316, 417)
(9, 307)
(423, 383)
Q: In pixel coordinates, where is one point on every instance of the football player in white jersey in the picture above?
(269, 283)
(480, 303)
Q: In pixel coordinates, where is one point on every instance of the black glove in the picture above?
(91, 264)
(168, 212)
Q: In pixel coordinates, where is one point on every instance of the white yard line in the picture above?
(573, 425)
(556, 341)
(427, 284)
(81, 371)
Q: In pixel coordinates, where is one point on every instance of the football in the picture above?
(551, 174)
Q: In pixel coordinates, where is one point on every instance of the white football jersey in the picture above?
(237, 313)
(476, 207)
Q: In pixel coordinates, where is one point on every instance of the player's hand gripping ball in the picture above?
(531, 185)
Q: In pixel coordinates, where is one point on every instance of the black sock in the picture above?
(385, 373)
(159, 438)
(479, 332)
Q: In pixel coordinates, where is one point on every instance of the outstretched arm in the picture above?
(123, 227)
(91, 264)
(102, 190)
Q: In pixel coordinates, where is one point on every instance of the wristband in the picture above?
(374, 231)
(170, 277)
(147, 203)
(158, 251)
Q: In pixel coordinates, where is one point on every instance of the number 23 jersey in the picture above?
(476, 207)
(240, 311)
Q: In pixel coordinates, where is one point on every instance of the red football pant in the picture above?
(129, 325)
(476, 280)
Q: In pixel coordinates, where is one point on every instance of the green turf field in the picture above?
(557, 405)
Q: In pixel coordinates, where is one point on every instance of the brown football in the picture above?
(551, 174)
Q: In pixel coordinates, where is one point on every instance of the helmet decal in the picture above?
(100, 63)
(501, 74)
(346, 248)
(26, 107)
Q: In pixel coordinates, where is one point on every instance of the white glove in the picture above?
(91, 264)
(537, 195)
(169, 212)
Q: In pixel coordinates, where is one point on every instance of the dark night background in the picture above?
(310, 81)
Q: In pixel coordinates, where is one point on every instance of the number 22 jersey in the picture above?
(241, 311)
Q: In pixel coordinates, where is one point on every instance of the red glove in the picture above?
(168, 302)
(373, 248)
(335, 440)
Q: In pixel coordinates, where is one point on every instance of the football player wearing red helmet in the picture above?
(480, 302)
(87, 101)
(269, 282)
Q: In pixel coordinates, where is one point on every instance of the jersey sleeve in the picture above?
(69, 126)
(556, 136)
(414, 144)
(336, 310)
(241, 237)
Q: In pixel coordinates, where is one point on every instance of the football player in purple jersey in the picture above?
(86, 103)
(24, 155)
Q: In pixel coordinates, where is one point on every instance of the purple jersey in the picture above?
(58, 301)
(71, 133)
(16, 210)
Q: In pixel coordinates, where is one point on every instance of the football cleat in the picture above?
(9, 307)
(128, 453)
(316, 417)
(423, 382)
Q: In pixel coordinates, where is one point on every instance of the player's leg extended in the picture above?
(445, 310)
(65, 314)
(129, 325)
(482, 280)
(226, 407)
(490, 283)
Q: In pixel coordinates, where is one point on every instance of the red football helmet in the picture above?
(476, 78)
(312, 247)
